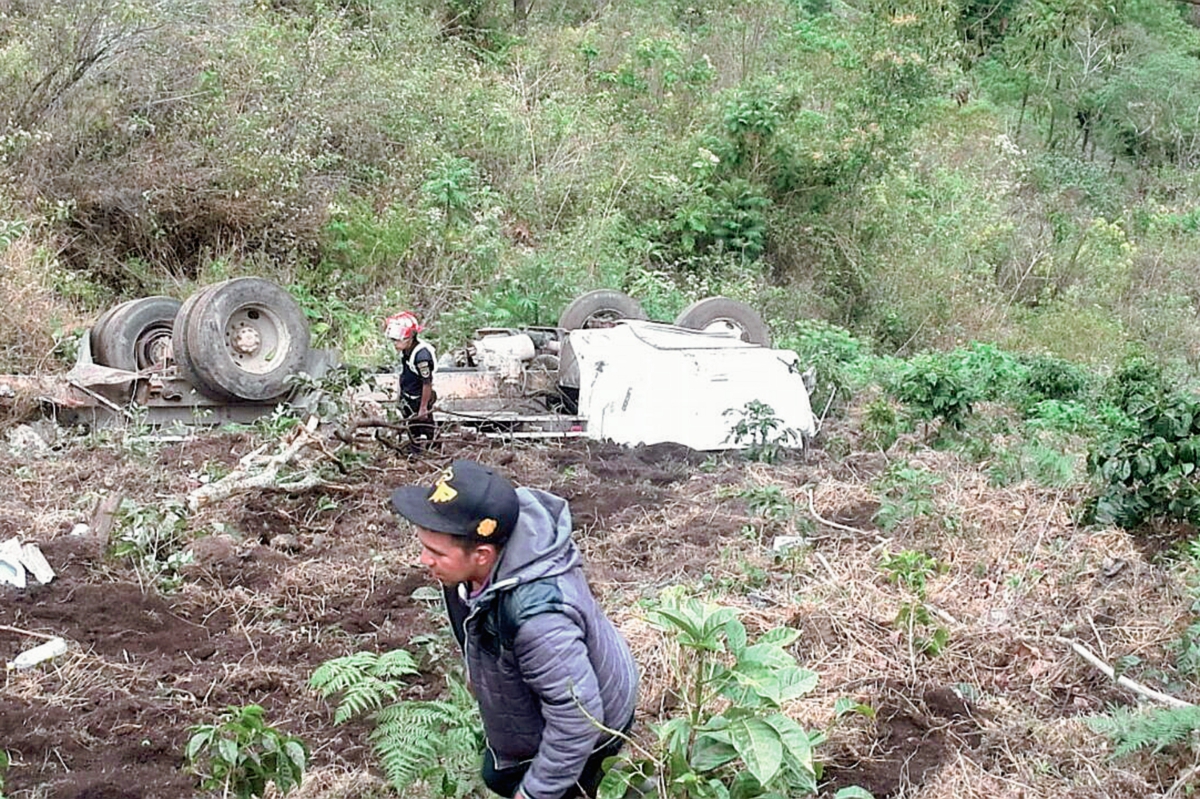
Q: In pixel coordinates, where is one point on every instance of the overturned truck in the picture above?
(235, 350)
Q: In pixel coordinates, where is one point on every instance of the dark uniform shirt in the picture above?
(416, 369)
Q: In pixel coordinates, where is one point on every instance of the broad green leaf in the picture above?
(759, 746)
(615, 784)
(296, 754)
(794, 683)
(853, 792)
(795, 742)
(711, 751)
(228, 751)
(780, 636)
(769, 655)
(846, 705)
(735, 634)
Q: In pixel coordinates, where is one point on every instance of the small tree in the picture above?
(241, 754)
(730, 736)
(761, 432)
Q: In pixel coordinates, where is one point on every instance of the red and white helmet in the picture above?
(401, 325)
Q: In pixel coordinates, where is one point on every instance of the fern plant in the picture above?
(436, 741)
(1154, 729)
(364, 679)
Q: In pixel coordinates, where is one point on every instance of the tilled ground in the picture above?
(280, 583)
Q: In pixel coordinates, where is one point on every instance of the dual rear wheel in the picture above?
(718, 315)
(239, 340)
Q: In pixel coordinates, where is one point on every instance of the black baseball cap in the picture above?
(467, 499)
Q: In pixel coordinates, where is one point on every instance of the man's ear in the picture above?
(485, 554)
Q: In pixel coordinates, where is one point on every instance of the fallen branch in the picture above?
(266, 476)
(1123, 681)
(6, 628)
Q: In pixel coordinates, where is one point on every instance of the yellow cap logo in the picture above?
(486, 528)
(442, 490)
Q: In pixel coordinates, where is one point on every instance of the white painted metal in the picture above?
(647, 383)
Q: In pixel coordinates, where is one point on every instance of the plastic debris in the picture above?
(16, 559)
(39, 654)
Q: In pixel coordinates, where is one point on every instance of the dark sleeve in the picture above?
(424, 365)
(553, 658)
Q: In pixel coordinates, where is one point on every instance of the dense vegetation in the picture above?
(924, 174)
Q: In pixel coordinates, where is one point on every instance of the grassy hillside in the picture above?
(924, 176)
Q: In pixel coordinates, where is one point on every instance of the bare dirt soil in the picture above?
(280, 583)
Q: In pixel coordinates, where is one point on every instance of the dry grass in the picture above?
(32, 310)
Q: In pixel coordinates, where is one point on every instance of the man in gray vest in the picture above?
(552, 675)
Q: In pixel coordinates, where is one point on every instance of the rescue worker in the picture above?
(415, 372)
(546, 665)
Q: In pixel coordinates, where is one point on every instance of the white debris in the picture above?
(36, 562)
(16, 559)
(24, 440)
(12, 567)
(80, 529)
(783, 543)
(39, 654)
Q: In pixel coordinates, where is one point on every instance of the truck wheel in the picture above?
(98, 326)
(723, 315)
(184, 363)
(137, 335)
(245, 338)
(600, 308)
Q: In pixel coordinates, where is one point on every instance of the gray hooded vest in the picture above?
(541, 656)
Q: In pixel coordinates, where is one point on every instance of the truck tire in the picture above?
(600, 308)
(723, 315)
(137, 334)
(97, 331)
(243, 339)
(184, 364)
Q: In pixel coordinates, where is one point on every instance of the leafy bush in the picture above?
(1150, 474)
(912, 571)
(761, 432)
(907, 493)
(242, 754)
(935, 388)
(830, 351)
(154, 538)
(730, 736)
(1050, 378)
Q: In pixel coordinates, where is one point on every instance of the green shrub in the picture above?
(729, 735)
(830, 351)
(934, 387)
(761, 432)
(242, 754)
(1152, 473)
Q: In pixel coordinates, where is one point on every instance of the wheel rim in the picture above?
(603, 318)
(725, 327)
(153, 346)
(254, 337)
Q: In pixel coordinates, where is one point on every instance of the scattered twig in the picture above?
(6, 628)
(1123, 681)
(239, 481)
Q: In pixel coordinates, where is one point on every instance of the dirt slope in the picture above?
(281, 583)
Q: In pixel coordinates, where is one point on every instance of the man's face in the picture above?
(403, 343)
(449, 562)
